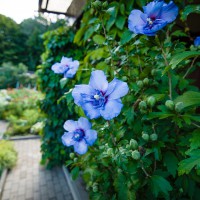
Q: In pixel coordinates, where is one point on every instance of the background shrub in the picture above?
(8, 155)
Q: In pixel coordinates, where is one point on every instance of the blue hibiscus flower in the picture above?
(67, 66)
(157, 14)
(80, 135)
(197, 41)
(100, 98)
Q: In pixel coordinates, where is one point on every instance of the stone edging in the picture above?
(28, 137)
(77, 190)
(3, 180)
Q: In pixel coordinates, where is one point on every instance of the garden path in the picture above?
(31, 181)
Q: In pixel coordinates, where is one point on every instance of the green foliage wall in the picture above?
(58, 43)
(151, 150)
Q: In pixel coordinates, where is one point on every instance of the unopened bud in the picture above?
(179, 106)
(151, 101)
(154, 137)
(140, 84)
(133, 144)
(136, 155)
(146, 81)
(142, 105)
(169, 104)
(71, 155)
(110, 151)
(75, 159)
(145, 136)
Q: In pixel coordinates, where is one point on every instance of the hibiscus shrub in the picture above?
(134, 84)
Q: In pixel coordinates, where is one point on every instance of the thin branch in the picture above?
(198, 126)
(144, 170)
(187, 72)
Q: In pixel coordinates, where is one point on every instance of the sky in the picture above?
(19, 9)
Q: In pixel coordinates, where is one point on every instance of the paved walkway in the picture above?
(31, 181)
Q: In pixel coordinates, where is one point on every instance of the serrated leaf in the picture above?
(75, 173)
(171, 163)
(182, 56)
(185, 166)
(195, 140)
(160, 185)
(189, 9)
(189, 98)
(99, 39)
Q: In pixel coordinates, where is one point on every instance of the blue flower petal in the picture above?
(153, 9)
(117, 89)
(136, 22)
(73, 67)
(70, 125)
(197, 41)
(80, 147)
(90, 111)
(67, 139)
(66, 60)
(90, 137)
(81, 89)
(112, 109)
(169, 12)
(58, 68)
(84, 124)
(98, 81)
(158, 25)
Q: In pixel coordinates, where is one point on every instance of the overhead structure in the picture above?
(70, 8)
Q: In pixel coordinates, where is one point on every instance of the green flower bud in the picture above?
(169, 104)
(142, 105)
(136, 155)
(140, 84)
(71, 155)
(96, 4)
(95, 189)
(179, 106)
(146, 81)
(151, 101)
(154, 137)
(133, 144)
(105, 4)
(110, 151)
(119, 170)
(145, 136)
(75, 159)
(128, 146)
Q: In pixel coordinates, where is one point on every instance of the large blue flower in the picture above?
(157, 14)
(197, 41)
(100, 98)
(80, 135)
(67, 66)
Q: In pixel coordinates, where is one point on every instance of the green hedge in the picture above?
(151, 150)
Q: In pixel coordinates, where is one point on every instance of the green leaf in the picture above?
(171, 163)
(63, 82)
(189, 98)
(185, 166)
(159, 115)
(121, 187)
(195, 140)
(120, 21)
(127, 36)
(182, 56)
(190, 9)
(160, 185)
(75, 173)
(99, 39)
